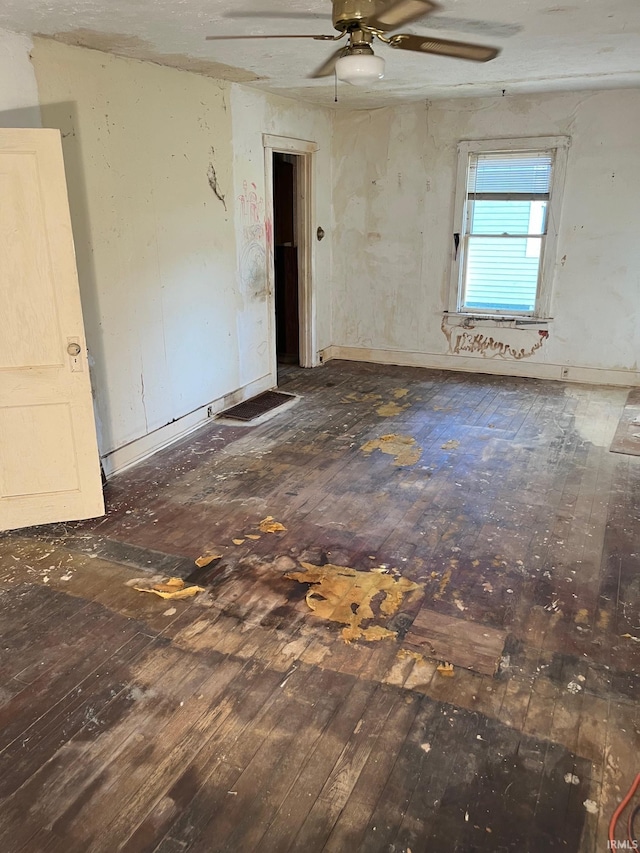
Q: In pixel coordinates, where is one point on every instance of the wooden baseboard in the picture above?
(499, 367)
(141, 448)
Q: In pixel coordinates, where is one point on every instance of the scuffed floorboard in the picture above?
(456, 641)
(627, 437)
(241, 720)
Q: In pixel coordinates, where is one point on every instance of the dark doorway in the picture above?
(285, 193)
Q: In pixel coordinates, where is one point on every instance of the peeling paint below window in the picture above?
(464, 339)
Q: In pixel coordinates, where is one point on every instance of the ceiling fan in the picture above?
(363, 20)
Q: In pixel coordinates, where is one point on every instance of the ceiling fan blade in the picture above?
(443, 47)
(317, 38)
(276, 15)
(469, 25)
(398, 12)
(328, 66)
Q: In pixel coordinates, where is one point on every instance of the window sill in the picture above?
(468, 320)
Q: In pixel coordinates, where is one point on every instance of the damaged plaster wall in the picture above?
(165, 170)
(255, 113)
(393, 223)
(155, 241)
(19, 106)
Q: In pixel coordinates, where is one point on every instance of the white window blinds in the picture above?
(505, 225)
(504, 174)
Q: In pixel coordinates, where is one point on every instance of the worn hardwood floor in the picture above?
(239, 720)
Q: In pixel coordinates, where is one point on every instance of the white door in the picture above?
(49, 467)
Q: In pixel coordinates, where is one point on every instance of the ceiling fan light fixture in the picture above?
(360, 69)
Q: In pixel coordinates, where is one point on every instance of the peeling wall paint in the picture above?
(394, 181)
(213, 180)
(464, 339)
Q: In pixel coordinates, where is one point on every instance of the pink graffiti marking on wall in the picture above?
(255, 232)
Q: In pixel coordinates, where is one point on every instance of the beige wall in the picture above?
(155, 247)
(393, 219)
(18, 91)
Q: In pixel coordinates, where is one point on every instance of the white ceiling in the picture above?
(545, 45)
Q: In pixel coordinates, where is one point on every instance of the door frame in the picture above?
(304, 213)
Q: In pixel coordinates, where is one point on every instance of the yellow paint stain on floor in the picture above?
(399, 393)
(359, 397)
(172, 588)
(450, 532)
(582, 617)
(345, 595)
(444, 583)
(402, 447)
(388, 410)
(205, 559)
(404, 654)
(268, 525)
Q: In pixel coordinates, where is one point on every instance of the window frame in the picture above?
(560, 146)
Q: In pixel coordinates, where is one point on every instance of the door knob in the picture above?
(74, 349)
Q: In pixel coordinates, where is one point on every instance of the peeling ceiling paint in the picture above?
(545, 46)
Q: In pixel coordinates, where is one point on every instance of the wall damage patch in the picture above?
(345, 595)
(465, 338)
(213, 180)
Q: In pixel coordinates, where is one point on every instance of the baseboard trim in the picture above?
(142, 448)
(499, 367)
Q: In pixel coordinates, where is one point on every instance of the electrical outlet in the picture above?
(565, 373)
(209, 411)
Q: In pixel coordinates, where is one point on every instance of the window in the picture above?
(507, 216)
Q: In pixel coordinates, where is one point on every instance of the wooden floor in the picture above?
(238, 720)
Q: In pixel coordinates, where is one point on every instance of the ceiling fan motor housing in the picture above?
(350, 14)
(359, 50)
